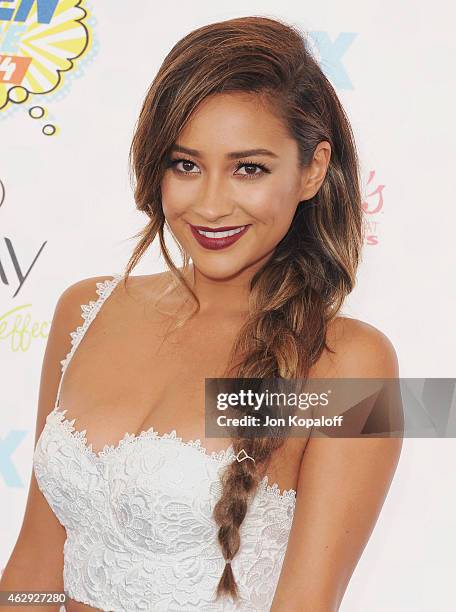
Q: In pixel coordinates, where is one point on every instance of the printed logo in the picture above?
(16, 261)
(41, 42)
(372, 206)
(329, 54)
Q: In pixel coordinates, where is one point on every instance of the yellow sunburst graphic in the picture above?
(40, 41)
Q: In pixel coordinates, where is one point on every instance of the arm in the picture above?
(343, 483)
(36, 562)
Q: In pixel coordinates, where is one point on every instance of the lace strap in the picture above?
(89, 312)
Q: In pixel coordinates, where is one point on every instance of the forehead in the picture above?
(233, 121)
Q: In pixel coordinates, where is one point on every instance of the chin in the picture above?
(221, 270)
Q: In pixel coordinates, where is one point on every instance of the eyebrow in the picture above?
(232, 155)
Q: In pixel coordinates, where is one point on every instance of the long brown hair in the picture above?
(301, 288)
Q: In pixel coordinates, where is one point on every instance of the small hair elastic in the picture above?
(246, 456)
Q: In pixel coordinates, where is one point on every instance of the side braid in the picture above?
(279, 331)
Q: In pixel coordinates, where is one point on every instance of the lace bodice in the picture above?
(138, 516)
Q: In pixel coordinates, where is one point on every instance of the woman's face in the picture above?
(233, 165)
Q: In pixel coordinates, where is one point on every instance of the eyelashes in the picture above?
(239, 164)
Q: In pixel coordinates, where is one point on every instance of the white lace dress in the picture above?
(138, 516)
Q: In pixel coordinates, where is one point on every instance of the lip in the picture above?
(217, 243)
(225, 228)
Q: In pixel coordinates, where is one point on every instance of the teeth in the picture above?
(222, 234)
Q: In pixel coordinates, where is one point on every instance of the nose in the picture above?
(214, 199)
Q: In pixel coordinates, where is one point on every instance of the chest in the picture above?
(132, 371)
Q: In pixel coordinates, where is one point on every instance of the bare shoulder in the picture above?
(359, 349)
(137, 287)
(147, 287)
(82, 290)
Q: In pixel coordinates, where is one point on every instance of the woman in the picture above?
(243, 150)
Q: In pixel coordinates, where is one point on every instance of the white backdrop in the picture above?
(67, 212)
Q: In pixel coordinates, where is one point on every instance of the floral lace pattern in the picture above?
(138, 518)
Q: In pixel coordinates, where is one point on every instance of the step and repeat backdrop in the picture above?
(73, 75)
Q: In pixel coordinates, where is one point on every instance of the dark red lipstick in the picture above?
(215, 242)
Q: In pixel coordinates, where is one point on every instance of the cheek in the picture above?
(273, 202)
(176, 196)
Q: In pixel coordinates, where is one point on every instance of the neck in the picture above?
(227, 296)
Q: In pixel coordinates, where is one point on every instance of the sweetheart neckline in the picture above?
(221, 456)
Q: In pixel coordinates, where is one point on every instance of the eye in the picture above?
(187, 166)
(252, 170)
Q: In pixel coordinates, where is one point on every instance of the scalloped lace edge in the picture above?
(223, 455)
(88, 313)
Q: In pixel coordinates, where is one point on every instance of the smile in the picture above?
(218, 238)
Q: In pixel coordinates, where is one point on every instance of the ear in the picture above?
(314, 174)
